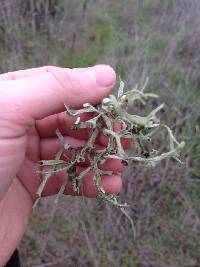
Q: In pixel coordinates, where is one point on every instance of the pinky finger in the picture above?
(111, 184)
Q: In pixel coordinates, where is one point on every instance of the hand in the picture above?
(31, 109)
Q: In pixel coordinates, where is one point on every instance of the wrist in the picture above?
(14, 214)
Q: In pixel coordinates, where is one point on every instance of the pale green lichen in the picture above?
(112, 110)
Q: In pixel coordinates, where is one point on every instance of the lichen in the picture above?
(113, 110)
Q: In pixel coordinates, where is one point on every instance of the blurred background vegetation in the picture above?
(139, 38)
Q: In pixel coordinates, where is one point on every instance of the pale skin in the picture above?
(31, 109)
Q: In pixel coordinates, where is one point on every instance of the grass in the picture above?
(99, 38)
(154, 38)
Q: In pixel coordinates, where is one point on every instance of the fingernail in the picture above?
(105, 75)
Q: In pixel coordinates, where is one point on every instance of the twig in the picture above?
(90, 247)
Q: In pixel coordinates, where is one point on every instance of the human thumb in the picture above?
(38, 96)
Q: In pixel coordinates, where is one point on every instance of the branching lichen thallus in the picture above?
(111, 111)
